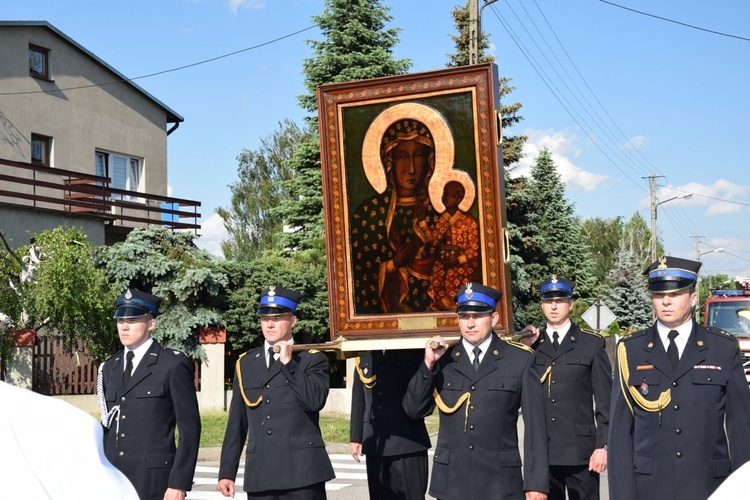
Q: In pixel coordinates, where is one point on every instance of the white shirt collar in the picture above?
(469, 347)
(561, 332)
(138, 354)
(266, 346)
(681, 340)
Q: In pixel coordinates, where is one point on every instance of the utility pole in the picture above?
(653, 242)
(475, 28)
(475, 31)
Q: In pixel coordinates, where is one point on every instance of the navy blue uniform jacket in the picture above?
(577, 389)
(477, 457)
(378, 420)
(161, 394)
(687, 449)
(285, 449)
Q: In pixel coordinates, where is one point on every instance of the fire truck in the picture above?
(730, 311)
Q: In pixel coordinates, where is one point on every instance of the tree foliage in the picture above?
(356, 45)
(168, 264)
(603, 239)
(636, 237)
(64, 294)
(551, 238)
(628, 298)
(264, 175)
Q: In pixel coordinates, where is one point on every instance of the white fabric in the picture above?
(469, 348)
(50, 449)
(735, 486)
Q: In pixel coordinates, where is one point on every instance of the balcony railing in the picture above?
(28, 185)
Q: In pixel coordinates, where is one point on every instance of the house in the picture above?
(80, 143)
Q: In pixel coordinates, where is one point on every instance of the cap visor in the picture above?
(130, 312)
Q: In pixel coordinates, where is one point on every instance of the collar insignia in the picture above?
(650, 345)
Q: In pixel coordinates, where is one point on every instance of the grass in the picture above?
(334, 427)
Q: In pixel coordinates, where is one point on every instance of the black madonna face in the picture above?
(411, 163)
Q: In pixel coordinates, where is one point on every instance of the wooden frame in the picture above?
(374, 135)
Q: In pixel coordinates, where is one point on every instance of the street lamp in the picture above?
(698, 255)
(654, 205)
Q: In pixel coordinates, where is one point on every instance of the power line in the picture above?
(677, 22)
(172, 70)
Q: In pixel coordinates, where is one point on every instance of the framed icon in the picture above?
(413, 198)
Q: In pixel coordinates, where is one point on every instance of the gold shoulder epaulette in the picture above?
(520, 345)
(592, 332)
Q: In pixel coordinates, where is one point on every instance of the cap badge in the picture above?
(662, 263)
(128, 294)
(272, 290)
(469, 292)
(554, 278)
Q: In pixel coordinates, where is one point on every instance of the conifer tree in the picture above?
(356, 45)
(628, 298)
(552, 238)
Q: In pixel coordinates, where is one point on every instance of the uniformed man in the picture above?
(146, 391)
(479, 385)
(395, 445)
(276, 400)
(680, 411)
(576, 378)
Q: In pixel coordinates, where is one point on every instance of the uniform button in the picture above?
(554, 382)
(471, 446)
(678, 431)
(121, 453)
(553, 400)
(309, 443)
(674, 384)
(471, 427)
(554, 419)
(268, 386)
(148, 392)
(122, 435)
(122, 417)
(268, 401)
(122, 398)
(269, 432)
(554, 363)
(679, 454)
(268, 417)
(473, 388)
(676, 407)
(471, 408)
(709, 379)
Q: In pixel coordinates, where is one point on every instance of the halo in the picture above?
(433, 120)
(437, 185)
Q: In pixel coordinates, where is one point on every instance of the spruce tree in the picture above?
(552, 238)
(628, 298)
(356, 45)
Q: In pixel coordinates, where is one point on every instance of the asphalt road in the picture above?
(350, 482)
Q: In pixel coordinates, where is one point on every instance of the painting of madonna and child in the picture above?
(412, 198)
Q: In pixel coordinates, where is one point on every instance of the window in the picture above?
(40, 150)
(39, 61)
(124, 171)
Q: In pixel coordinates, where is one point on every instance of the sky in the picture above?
(616, 91)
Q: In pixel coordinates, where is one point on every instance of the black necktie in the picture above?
(271, 358)
(672, 352)
(555, 340)
(475, 363)
(128, 368)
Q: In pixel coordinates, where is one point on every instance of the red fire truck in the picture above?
(730, 311)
